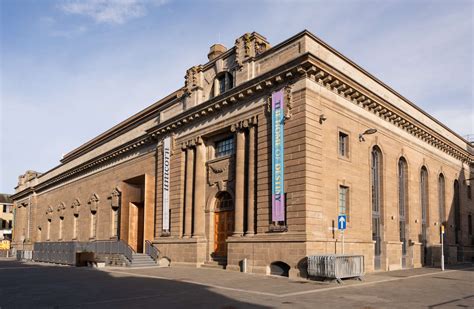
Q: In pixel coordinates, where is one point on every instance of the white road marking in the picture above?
(196, 283)
(371, 283)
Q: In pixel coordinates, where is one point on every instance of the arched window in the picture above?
(223, 82)
(402, 202)
(442, 199)
(376, 188)
(424, 211)
(424, 195)
(224, 201)
(457, 212)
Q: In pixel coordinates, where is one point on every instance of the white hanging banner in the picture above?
(166, 183)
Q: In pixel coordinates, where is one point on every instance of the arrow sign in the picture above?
(341, 222)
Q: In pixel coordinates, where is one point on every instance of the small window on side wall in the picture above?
(343, 145)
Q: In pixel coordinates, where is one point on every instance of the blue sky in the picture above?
(72, 69)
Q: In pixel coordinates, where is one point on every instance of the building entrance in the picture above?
(223, 223)
(136, 226)
(134, 198)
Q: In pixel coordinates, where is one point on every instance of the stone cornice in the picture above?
(357, 94)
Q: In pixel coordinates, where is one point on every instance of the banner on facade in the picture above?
(278, 195)
(166, 182)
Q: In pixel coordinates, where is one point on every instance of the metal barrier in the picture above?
(66, 252)
(336, 266)
(22, 255)
(151, 250)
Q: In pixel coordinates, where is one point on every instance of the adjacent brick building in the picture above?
(204, 154)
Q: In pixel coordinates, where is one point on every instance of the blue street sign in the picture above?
(341, 222)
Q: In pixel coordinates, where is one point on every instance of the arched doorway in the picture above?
(223, 222)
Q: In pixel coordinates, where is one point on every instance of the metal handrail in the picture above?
(151, 250)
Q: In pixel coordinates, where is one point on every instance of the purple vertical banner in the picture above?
(278, 194)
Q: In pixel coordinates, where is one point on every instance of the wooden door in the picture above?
(223, 228)
(136, 221)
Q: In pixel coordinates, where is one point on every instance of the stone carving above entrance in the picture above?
(220, 172)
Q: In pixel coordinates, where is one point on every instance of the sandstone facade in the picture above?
(220, 169)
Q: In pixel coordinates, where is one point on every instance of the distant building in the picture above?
(6, 216)
(254, 158)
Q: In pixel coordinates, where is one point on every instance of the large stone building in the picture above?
(255, 158)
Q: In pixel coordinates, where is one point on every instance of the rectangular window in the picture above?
(4, 208)
(74, 227)
(61, 228)
(225, 147)
(10, 224)
(115, 222)
(343, 145)
(469, 193)
(93, 224)
(344, 201)
(48, 232)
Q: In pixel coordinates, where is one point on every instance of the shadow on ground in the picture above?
(44, 286)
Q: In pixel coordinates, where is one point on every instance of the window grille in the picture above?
(225, 147)
(344, 201)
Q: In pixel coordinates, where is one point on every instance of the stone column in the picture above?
(188, 200)
(199, 189)
(251, 183)
(239, 182)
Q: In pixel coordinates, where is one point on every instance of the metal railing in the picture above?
(22, 255)
(336, 266)
(151, 250)
(66, 252)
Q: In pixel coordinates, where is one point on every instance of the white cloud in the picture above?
(109, 11)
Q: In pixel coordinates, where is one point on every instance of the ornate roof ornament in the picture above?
(248, 46)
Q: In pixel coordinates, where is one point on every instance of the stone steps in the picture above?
(217, 263)
(142, 260)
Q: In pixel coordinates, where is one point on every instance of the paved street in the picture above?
(34, 285)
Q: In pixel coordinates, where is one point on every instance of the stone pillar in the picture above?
(199, 189)
(188, 200)
(239, 182)
(251, 183)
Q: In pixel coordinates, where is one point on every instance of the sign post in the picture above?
(442, 247)
(341, 226)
